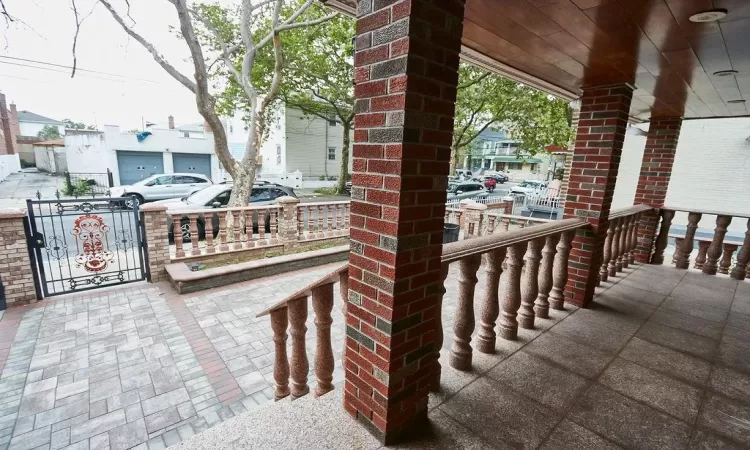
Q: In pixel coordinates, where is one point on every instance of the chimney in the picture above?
(7, 131)
(206, 126)
(14, 124)
(171, 122)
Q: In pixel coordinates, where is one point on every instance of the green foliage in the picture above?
(27, 164)
(49, 132)
(326, 191)
(77, 125)
(78, 188)
(559, 173)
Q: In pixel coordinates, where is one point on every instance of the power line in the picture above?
(57, 71)
(77, 68)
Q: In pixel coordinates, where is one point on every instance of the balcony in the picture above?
(657, 360)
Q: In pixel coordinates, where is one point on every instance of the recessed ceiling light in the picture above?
(736, 101)
(709, 16)
(725, 73)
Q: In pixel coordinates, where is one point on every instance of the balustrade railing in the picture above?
(715, 254)
(291, 314)
(476, 221)
(621, 241)
(322, 220)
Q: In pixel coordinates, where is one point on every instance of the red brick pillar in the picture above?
(658, 159)
(406, 73)
(593, 173)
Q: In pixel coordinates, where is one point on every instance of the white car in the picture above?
(528, 187)
(163, 186)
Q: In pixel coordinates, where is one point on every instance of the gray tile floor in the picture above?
(659, 361)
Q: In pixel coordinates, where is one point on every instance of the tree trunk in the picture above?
(344, 170)
(241, 189)
(454, 161)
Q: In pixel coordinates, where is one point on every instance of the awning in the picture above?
(513, 158)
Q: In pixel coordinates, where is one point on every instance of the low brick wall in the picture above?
(15, 265)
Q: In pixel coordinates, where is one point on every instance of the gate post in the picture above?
(15, 266)
(157, 240)
(110, 179)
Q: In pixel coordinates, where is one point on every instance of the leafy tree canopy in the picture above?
(78, 125)
(49, 132)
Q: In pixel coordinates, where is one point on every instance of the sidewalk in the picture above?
(23, 185)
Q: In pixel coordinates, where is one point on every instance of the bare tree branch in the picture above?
(170, 69)
(306, 24)
(5, 13)
(75, 37)
(474, 81)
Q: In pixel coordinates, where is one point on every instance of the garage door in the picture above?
(135, 166)
(190, 163)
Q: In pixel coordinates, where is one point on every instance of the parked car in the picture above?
(466, 189)
(217, 196)
(348, 188)
(463, 174)
(163, 186)
(528, 187)
(498, 176)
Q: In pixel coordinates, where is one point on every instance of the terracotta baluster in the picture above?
(329, 219)
(678, 243)
(177, 235)
(463, 324)
(683, 260)
(344, 291)
(726, 258)
(511, 299)
(560, 271)
(490, 224)
(702, 252)
(437, 368)
(625, 248)
(261, 227)
(347, 210)
(743, 257)
(612, 266)
(541, 305)
(274, 225)
(322, 300)
(634, 238)
(530, 283)
(223, 247)
(506, 223)
(663, 238)
(622, 227)
(237, 230)
(194, 235)
(714, 250)
(301, 222)
(209, 220)
(297, 329)
(321, 221)
(279, 324)
(311, 222)
(250, 239)
(486, 337)
(607, 255)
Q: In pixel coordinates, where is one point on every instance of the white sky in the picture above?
(141, 88)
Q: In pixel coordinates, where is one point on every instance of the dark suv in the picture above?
(217, 196)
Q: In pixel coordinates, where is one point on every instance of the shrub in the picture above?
(79, 188)
(325, 191)
(322, 178)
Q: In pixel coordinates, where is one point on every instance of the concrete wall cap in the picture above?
(12, 213)
(148, 207)
(476, 206)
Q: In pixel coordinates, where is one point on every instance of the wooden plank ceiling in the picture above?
(649, 43)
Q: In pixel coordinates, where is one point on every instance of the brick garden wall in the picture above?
(157, 239)
(15, 266)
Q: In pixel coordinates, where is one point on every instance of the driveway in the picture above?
(24, 185)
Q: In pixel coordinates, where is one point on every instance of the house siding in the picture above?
(307, 145)
(710, 170)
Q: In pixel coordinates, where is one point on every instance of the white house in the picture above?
(160, 150)
(30, 124)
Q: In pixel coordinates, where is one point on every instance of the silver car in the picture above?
(465, 189)
(163, 186)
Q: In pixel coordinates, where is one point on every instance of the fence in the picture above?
(82, 184)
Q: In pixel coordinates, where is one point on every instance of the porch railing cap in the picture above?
(148, 207)
(744, 215)
(12, 213)
(331, 277)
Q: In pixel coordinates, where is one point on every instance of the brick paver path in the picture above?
(139, 366)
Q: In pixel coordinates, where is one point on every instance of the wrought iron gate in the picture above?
(83, 244)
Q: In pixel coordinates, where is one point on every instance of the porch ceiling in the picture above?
(648, 43)
(561, 46)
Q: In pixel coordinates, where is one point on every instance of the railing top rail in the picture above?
(628, 210)
(219, 210)
(344, 202)
(523, 218)
(306, 291)
(457, 250)
(745, 215)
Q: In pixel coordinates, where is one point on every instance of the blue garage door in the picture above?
(135, 166)
(190, 163)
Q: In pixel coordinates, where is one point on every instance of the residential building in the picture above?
(134, 156)
(50, 156)
(497, 150)
(30, 124)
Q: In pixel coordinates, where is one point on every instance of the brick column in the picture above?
(15, 266)
(658, 159)
(157, 239)
(288, 226)
(406, 73)
(593, 173)
(576, 107)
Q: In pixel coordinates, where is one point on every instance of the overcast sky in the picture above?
(139, 87)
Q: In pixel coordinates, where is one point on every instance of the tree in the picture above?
(245, 39)
(49, 132)
(488, 101)
(319, 79)
(77, 125)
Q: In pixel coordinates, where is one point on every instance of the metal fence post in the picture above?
(110, 178)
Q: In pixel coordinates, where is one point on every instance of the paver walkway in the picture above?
(137, 366)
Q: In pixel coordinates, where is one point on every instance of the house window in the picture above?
(532, 167)
(331, 120)
(186, 134)
(515, 166)
(278, 149)
(332, 153)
